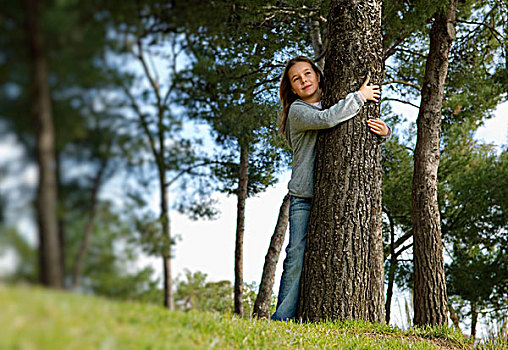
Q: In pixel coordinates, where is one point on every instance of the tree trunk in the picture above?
(343, 274)
(243, 182)
(474, 319)
(76, 276)
(166, 229)
(60, 219)
(454, 317)
(263, 300)
(430, 300)
(50, 267)
(391, 272)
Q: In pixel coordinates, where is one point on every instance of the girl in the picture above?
(302, 117)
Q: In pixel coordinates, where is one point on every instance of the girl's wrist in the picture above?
(361, 96)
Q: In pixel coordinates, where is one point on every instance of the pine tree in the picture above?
(343, 269)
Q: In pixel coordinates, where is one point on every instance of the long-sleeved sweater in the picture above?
(302, 125)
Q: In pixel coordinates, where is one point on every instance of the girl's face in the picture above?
(304, 82)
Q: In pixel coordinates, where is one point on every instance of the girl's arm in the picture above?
(304, 117)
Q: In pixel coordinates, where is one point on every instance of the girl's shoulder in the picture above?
(300, 105)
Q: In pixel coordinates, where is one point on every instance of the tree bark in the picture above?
(454, 317)
(391, 271)
(263, 300)
(430, 299)
(474, 319)
(76, 276)
(50, 268)
(243, 183)
(166, 229)
(60, 218)
(343, 274)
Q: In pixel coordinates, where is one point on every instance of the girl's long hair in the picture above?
(287, 96)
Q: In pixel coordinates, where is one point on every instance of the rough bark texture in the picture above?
(240, 227)
(430, 300)
(343, 268)
(50, 268)
(264, 298)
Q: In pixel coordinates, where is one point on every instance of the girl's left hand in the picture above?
(378, 127)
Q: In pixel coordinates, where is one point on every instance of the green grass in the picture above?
(36, 318)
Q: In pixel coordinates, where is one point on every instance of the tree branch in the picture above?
(401, 101)
(403, 82)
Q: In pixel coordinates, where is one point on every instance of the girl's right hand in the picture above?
(370, 92)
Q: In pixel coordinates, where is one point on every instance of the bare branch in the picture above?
(192, 167)
(403, 82)
(393, 48)
(401, 101)
(416, 53)
(403, 249)
(153, 83)
(144, 123)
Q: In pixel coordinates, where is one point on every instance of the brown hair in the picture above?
(287, 96)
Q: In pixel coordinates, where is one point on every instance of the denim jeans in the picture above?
(289, 291)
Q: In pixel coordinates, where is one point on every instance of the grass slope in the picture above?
(36, 318)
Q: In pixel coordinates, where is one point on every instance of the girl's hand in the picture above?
(378, 127)
(370, 92)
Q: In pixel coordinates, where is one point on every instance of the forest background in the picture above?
(144, 93)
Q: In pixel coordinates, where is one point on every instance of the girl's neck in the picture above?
(315, 98)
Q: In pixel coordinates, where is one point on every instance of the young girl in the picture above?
(302, 117)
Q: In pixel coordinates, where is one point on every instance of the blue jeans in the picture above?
(289, 291)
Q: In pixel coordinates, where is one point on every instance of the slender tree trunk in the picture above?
(454, 317)
(166, 229)
(60, 218)
(76, 276)
(50, 267)
(430, 300)
(474, 319)
(240, 227)
(343, 274)
(264, 298)
(391, 272)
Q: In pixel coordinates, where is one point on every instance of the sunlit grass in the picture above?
(36, 318)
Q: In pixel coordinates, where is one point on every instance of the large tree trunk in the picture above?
(343, 274)
(264, 298)
(243, 183)
(430, 300)
(50, 268)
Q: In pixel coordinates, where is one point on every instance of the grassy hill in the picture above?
(36, 318)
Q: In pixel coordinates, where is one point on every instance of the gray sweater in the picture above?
(302, 125)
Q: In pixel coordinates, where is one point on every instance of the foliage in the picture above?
(26, 267)
(108, 268)
(236, 62)
(475, 226)
(197, 294)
